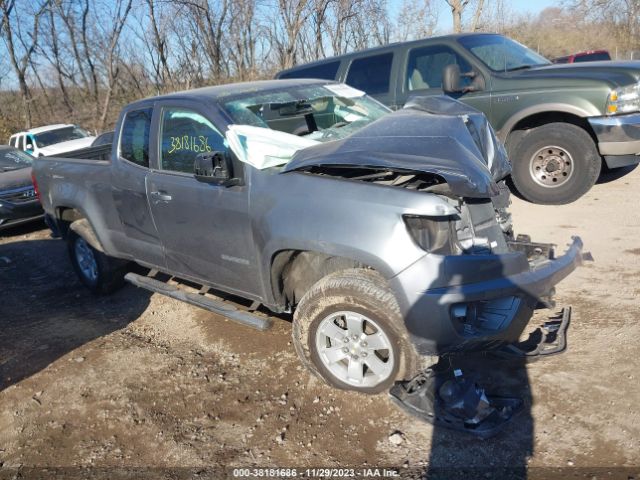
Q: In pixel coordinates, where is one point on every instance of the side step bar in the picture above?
(215, 306)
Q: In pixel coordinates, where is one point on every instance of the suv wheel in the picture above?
(347, 329)
(554, 164)
(97, 271)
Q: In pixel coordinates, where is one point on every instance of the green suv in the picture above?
(558, 122)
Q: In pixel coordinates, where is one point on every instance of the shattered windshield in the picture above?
(270, 127)
(315, 112)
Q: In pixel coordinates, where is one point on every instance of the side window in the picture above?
(20, 142)
(12, 141)
(371, 74)
(326, 71)
(425, 66)
(185, 134)
(134, 139)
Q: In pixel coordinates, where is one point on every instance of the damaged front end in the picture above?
(478, 283)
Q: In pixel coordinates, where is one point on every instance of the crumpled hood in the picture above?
(15, 179)
(435, 135)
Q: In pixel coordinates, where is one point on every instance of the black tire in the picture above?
(364, 292)
(110, 271)
(577, 153)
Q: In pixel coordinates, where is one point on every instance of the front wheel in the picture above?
(97, 271)
(553, 164)
(347, 329)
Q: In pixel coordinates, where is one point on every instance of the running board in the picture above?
(198, 300)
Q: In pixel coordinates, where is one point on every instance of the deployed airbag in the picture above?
(262, 147)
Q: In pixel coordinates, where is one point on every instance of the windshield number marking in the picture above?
(193, 144)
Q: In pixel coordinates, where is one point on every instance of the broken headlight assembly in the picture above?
(432, 234)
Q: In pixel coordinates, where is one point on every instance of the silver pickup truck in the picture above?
(385, 233)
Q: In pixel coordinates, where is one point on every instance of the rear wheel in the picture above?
(553, 164)
(97, 271)
(348, 330)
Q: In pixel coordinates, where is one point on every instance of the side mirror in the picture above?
(215, 168)
(451, 79)
(29, 147)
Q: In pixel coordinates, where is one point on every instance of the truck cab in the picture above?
(560, 123)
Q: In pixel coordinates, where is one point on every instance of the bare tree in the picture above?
(159, 44)
(111, 59)
(458, 8)
(243, 38)
(21, 46)
(208, 21)
(416, 19)
(289, 20)
(52, 51)
(476, 16)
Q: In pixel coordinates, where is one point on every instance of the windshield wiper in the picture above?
(521, 67)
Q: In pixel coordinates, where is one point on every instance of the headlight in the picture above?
(624, 100)
(432, 234)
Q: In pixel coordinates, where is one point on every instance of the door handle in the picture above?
(161, 196)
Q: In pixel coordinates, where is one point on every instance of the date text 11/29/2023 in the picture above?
(370, 472)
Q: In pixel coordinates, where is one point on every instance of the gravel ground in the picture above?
(136, 385)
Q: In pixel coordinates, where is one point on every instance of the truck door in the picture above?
(205, 228)
(422, 75)
(129, 178)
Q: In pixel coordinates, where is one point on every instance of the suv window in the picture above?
(20, 142)
(185, 134)
(326, 71)
(13, 141)
(426, 64)
(371, 74)
(134, 139)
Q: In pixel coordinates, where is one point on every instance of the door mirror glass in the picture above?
(451, 79)
(214, 167)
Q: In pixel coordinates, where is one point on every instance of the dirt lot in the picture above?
(138, 385)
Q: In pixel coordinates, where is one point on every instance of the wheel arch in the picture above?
(293, 272)
(543, 115)
(70, 218)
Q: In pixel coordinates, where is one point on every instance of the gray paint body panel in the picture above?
(227, 237)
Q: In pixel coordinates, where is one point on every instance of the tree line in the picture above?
(81, 60)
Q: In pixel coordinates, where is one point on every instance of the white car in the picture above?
(52, 140)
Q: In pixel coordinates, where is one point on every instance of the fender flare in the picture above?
(506, 129)
(84, 229)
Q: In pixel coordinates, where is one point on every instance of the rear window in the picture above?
(371, 74)
(325, 71)
(134, 139)
(592, 57)
(59, 135)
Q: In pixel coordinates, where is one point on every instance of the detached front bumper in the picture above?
(618, 138)
(487, 299)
